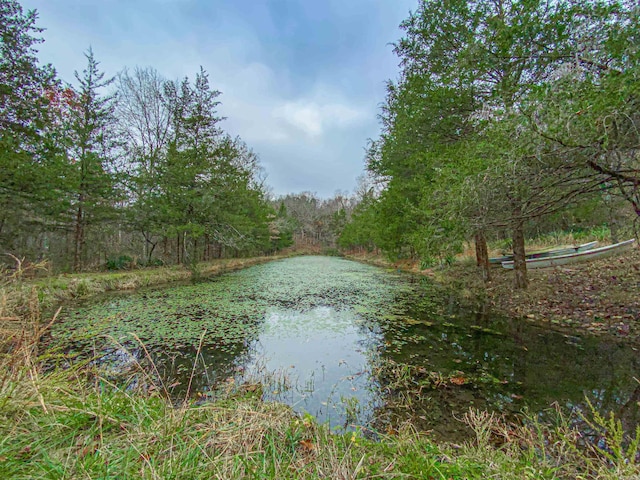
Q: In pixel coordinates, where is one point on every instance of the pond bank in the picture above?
(60, 426)
(19, 299)
(75, 422)
(601, 296)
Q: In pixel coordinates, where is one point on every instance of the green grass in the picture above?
(74, 424)
(16, 294)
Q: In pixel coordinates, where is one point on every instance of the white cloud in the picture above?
(314, 119)
(304, 117)
(309, 125)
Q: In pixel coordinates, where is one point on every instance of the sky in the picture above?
(301, 80)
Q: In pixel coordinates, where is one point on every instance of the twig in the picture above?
(193, 370)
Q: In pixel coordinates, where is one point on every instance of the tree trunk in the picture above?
(164, 249)
(185, 252)
(482, 255)
(519, 259)
(78, 239)
(153, 247)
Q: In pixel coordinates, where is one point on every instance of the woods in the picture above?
(307, 336)
(508, 119)
(505, 113)
(119, 169)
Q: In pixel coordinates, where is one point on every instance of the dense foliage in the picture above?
(133, 166)
(504, 113)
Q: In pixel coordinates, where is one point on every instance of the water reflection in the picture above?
(322, 334)
(323, 357)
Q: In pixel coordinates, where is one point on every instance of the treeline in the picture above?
(507, 117)
(106, 171)
(307, 220)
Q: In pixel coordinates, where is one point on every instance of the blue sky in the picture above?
(301, 80)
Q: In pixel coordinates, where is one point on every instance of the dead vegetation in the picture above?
(600, 296)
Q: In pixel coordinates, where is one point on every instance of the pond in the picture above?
(351, 344)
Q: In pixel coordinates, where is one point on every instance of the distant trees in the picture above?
(136, 167)
(312, 221)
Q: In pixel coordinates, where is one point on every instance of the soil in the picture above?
(601, 296)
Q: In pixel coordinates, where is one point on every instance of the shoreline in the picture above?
(59, 421)
(598, 297)
(25, 299)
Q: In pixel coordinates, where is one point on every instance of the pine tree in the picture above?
(26, 179)
(90, 152)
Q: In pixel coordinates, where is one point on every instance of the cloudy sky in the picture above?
(301, 80)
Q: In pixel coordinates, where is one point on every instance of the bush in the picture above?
(154, 262)
(123, 262)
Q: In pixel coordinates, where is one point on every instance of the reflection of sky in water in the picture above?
(320, 325)
(321, 355)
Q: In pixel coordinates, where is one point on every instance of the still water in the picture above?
(351, 344)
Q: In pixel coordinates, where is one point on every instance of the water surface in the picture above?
(351, 344)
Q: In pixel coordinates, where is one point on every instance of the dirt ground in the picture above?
(601, 296)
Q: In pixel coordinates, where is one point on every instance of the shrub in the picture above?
(122, 262)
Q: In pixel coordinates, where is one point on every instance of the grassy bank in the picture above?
(19, 297)
(74, 424)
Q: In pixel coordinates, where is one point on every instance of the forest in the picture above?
(115, 170)
(508, 120)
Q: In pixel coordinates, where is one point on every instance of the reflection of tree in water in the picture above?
(189, 373)
(463, 359)
(180, 372)
(508, 365)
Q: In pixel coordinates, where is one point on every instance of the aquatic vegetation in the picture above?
(352, 344)
(231, 307)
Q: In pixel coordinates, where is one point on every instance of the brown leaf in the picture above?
(307, 446)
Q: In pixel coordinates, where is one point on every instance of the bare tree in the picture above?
(143, 115)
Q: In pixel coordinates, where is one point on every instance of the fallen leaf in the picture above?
(307, 446)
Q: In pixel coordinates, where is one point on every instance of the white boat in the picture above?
(547, 253)
(576, 257)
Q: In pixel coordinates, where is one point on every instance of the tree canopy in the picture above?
(133, 167)
(503, 112)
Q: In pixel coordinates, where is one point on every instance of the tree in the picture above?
(28, 177)
(589, 111)
(211, 190)
(467, 69)
(91, 143)
(144, 123)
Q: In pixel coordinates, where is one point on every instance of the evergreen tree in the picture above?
(90, 148)
(27, 161)
(455, 147)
